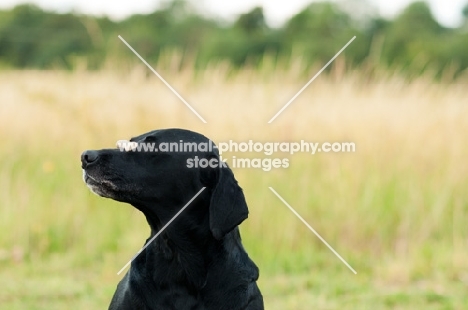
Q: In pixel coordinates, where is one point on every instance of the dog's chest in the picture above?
(180, 298)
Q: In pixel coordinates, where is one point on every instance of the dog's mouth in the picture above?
(99, 186)
(89, 180)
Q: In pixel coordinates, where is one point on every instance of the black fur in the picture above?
(198, 262)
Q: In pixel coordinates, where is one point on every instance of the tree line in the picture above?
(413, 41)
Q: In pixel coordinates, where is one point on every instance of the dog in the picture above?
(198, 261)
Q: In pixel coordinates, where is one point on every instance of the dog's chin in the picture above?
(99, 187)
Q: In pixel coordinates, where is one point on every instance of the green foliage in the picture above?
(243, 43)
(319, 31)
(413, 38)
(31, 37)
(253, 22)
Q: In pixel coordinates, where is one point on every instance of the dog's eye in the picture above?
(150, 139)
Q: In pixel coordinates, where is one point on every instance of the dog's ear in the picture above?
(228, 207)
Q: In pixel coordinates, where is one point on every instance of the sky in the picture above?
(447, 12)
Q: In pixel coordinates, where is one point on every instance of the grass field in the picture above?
(396, 209)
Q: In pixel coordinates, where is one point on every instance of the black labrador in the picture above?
(198, 261)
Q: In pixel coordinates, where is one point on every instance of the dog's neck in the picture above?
(180, 248)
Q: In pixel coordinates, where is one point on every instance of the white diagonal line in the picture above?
(163, 80)
(162, 229)
(311, 80)
(313, 230)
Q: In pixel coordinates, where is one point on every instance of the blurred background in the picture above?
(396, 209)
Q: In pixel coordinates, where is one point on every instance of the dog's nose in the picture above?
(88, 157)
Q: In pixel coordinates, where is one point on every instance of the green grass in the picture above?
(396, 210)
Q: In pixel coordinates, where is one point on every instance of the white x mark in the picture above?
(313, 230)
(162, 229)
(164, 81)
(311, 80)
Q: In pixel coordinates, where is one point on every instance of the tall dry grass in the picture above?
(396, 209)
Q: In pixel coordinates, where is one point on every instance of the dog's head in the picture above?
(160, 171)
